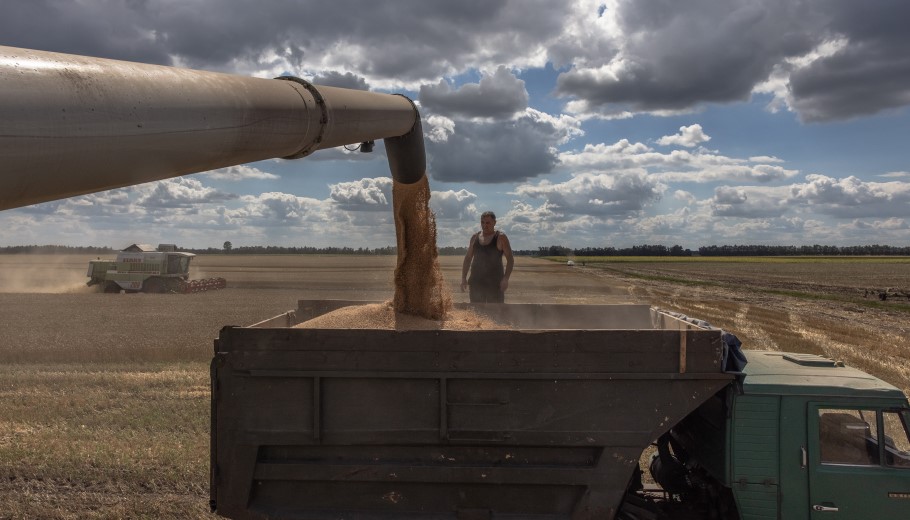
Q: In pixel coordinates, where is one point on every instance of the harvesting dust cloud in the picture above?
(54, 274)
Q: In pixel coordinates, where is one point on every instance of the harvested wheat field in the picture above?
(104, 398)
(826, 306)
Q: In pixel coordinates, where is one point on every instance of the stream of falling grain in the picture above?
(419, 286)
(422, 299)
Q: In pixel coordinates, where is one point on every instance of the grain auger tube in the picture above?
(71, 125)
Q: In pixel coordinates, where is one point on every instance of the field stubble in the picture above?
(104, 399)
(823, 307)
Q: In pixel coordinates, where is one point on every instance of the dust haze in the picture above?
(54, 274)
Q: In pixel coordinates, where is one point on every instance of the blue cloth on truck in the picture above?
(733, 359)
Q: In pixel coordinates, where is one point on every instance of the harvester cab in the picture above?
(142, 268)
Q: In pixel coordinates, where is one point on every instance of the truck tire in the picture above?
(111, 287)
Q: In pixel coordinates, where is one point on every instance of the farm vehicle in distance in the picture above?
(141, 268)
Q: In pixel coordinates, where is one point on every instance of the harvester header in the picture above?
(71, 125)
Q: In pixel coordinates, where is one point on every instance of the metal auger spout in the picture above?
(71, 125)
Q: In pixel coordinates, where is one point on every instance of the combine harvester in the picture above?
(544, 421)
(142, 268)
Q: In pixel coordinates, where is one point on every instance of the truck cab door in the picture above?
(858, 462)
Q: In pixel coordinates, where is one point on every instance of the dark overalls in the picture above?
(486, 272)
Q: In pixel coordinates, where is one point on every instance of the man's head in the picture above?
(487, 221)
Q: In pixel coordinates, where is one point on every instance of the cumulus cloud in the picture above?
(729, 195)
(672, 57)
(619, 57)
(363, 195)
(438, 128)
(667, 228)
(178, 192)
(549, 223)
(877, 226)
(688, 136)
(684, 197)
(867, 75)
(597, 194)
(106, 29)
(93, 204)
(277, 205)
(497, 96)
(768, 230)
(178, 208)
(748, 202)
(170, 196)
(841, 198)
(765, 159)
(334, 78)
(851, 197)
(824, 60)
(384, 43)
(619, 155)
(703, 172)
(453, 205)
(501, 151)
(699, 166)
(239, 173)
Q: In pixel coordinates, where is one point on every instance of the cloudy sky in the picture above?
(580, 123)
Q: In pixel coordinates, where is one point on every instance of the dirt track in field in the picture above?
(812, 308)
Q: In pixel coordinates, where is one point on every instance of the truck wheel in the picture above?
(111, 287)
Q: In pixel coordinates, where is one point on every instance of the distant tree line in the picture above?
(51, 249)
(728, 250)
(813, 250)
(229, 248)
(308, 250)
(554, 250)
(291, 250)
(642, 250)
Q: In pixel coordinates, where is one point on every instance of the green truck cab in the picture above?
(802, 437)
